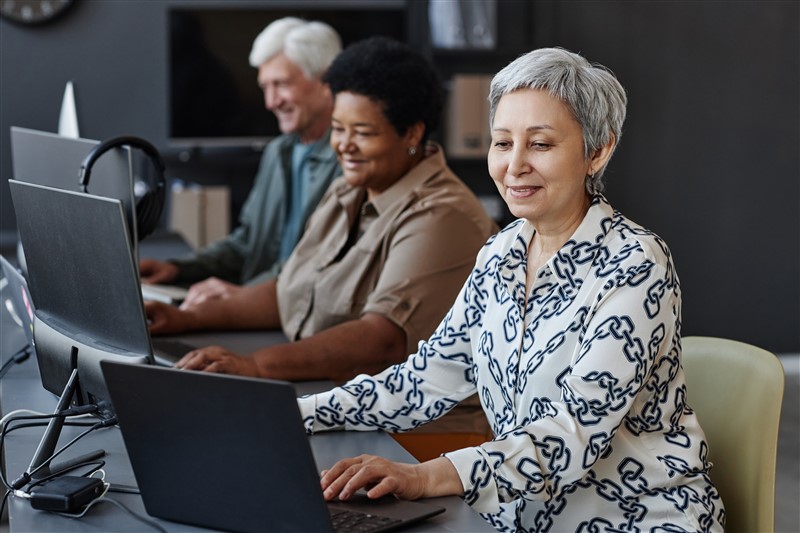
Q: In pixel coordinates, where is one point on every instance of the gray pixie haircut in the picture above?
(591, 91)
(312, 46)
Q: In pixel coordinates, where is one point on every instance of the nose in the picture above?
(344, 142)
(518, 164)
(270, 97)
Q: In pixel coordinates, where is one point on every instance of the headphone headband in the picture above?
(150, 206)
(105, 146)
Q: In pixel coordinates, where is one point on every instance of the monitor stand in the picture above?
(40, 466)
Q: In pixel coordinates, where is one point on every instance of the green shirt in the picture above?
(251, 253)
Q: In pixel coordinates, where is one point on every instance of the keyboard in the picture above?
(168, 351)
(164, 293)
(349, 521)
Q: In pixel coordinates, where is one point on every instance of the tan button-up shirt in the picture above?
(410, 250)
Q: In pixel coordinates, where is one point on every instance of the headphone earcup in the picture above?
(148, 211)
(150, 206)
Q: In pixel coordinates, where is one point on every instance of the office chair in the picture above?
(736, 391)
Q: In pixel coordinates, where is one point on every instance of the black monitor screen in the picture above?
(214, 96)
(84, 283)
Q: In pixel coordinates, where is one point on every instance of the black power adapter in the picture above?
(66, 494)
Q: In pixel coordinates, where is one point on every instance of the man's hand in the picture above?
(209, 289)
(153, 271)
(218, 359)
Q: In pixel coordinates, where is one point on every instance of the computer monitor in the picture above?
(84, 283)
(55, 161)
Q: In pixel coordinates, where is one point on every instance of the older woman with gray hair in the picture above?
(568, 328)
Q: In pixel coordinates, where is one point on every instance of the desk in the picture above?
(21, 389)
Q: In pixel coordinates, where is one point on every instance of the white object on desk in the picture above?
(169, 294)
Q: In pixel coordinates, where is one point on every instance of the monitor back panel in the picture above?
(80, 263)
(55, 161)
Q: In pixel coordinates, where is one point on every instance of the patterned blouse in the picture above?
(581, 382)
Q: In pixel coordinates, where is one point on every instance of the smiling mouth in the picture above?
(351, 163)
(523, 192)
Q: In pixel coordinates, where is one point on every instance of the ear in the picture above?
(414, 134)
(598, 160)
(326, 91)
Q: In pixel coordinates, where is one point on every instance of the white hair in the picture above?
(591, 91)
(312, 46)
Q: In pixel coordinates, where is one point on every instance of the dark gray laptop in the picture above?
(228, 452)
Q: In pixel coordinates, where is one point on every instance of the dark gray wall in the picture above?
(709, 154)
(709, 157)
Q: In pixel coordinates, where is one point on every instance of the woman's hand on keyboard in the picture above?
(218, 359)
(379, 476)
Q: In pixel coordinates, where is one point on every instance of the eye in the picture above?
(501, 144)
(540, 145)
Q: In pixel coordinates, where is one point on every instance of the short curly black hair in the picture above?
(390, 73)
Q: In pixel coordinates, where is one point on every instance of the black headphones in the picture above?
(150, 206)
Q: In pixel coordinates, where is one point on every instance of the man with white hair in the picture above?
(291, 56)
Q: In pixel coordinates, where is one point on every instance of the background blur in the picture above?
(708, 159)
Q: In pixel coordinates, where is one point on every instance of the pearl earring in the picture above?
(412, 150)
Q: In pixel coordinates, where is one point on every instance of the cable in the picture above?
(122, 506)
(8, 493)
(124, 489)
(3, 503)
(25, 478)
(21, 355)
(108, 486)
(100, 464)
(7, 430)
(18, 414)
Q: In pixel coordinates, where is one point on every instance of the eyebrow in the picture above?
(356, 124)
(538, 127)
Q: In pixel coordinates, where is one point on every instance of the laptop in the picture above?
(229, 452)
(84, 238)
(19, 303)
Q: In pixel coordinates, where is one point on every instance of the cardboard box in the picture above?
(200, 214)
(467, 126)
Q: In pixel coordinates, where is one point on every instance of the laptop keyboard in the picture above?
(349, 521)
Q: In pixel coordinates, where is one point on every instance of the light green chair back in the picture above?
(736, 391)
